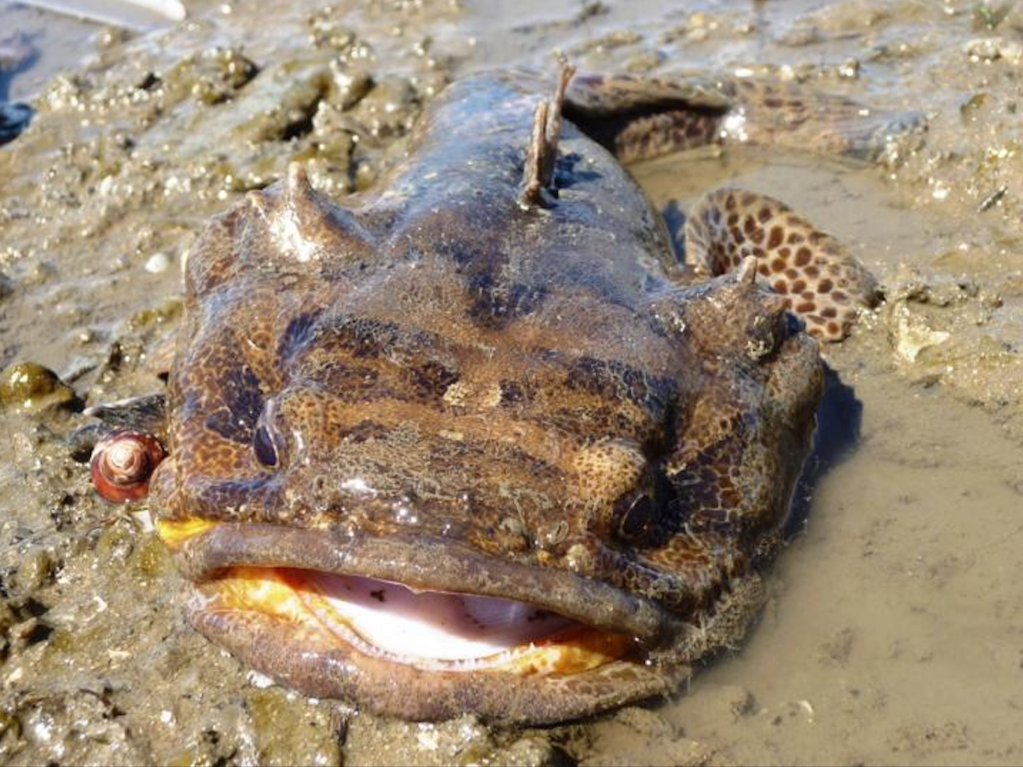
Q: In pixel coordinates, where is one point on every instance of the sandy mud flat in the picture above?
(894, 632)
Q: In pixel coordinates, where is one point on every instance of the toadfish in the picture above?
(477, 440)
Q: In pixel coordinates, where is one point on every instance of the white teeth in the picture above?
(428, 625)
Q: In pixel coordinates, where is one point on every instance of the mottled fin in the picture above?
(543, 145)
(146, 413)
(822, 284)
(639, 118)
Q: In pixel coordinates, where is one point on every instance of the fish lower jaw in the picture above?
(424, 630)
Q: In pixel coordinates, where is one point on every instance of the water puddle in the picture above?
(895, 629)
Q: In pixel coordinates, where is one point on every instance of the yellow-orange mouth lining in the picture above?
(174, 533)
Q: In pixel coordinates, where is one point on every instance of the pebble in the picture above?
(158, 263)
(31, 386)
(913, 335)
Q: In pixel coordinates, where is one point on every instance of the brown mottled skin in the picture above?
(461, 387)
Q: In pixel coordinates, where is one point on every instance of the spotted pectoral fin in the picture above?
(821, 282)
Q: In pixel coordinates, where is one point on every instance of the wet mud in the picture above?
(894, 630)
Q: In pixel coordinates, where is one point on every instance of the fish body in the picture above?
(477, 440)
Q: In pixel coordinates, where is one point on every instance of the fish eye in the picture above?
(264, 447)
(635, 515)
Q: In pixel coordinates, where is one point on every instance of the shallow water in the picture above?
(893, 634)
(895, 629)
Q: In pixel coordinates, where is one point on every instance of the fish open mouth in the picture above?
(507, 641)
(430, 630)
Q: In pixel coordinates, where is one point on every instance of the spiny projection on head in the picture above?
(543, 145)
(305, 223)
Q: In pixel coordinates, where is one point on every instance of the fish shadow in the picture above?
(839, 422)
(15, 116)
(675, 220)
(567, 173)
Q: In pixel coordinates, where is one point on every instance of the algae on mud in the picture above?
(902, 597)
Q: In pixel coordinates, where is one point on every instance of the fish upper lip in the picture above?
(428, 564)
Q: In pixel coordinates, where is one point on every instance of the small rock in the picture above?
(913, 335)
(158, 263)
(31, 386)
(849, 69)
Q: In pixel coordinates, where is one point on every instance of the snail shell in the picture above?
(122, 463)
